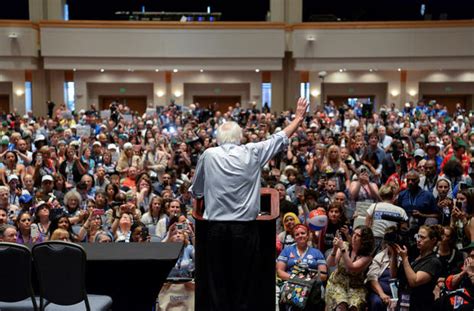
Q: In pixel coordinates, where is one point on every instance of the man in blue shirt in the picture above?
(418, 203)
(228, 177)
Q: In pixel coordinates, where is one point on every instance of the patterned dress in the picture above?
(345, 286)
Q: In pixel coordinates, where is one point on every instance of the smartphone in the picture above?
(34, 231)
(98, 212)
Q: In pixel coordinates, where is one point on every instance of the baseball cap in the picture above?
(11, 177)
(25, 198)
(47, 177)
(127, 146)
(111, 146)
(149, 122)
(96, 143)
(39, 138)
(419, 153)
(5, 140)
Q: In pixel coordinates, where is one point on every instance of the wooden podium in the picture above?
(269, 212)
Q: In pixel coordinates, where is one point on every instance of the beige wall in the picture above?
(15, 82)
(162, 43)
(360, 82)
(395, 42)
(105, 79)
(216, 89)
(94, 90)
(253, 79)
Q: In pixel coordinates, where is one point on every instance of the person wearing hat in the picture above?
(11, 166)
(47, 187)
(127, 159)
(26, 202)
(72, 168)
(429, 179)
(40, 141)
(285, 238)
(459, 153)
(4, 141)
(432, 153)
(15, 189)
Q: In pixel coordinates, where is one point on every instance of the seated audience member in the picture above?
(25, 235)
(185, 265)
(62, 222)
(300, 252)
(103, 237)
(462, 281)
(139, 233)
(345, 288)
(60, 235)
(122, 227)
(7, 233)
(155, 213)
(285, 238)
(337, 225)
(3, 216)
(378, 275)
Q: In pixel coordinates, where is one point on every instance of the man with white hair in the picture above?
(228, 177)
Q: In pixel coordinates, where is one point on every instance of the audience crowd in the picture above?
(395, 184)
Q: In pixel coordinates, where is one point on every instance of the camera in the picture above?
(181, 226)
(400, 235)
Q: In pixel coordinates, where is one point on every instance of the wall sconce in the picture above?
(412, 93)
(160, 93)
(394, 93)
(178, 94)
(19, 92)
(315, 93)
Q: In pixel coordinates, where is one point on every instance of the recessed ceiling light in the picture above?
(175, 70)
(371, 70)
(156, 70)
(257, 70)
(73, 69)
(102, 69)
(341, 70)
(130, 69)
(202, 70)
(399, 69)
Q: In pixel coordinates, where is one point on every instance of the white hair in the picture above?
(229, 132)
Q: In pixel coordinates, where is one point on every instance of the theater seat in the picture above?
(16, 292)
(61, 274)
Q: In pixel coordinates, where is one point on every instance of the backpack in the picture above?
(303, 289)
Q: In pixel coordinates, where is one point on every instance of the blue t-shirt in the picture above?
(312, 257)
(423, 201)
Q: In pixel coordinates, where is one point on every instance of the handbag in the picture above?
(303, 287)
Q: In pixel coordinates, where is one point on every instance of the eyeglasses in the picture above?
(420, 237)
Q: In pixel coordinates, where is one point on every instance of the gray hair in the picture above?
(72, 194)
(229, 132)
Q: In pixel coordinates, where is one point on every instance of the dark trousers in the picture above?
(233, 260)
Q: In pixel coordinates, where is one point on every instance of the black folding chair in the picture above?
(61, 270)
(16, 292)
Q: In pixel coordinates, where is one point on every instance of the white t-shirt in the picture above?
(383, 208)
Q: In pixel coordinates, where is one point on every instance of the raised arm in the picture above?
(301, 107)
